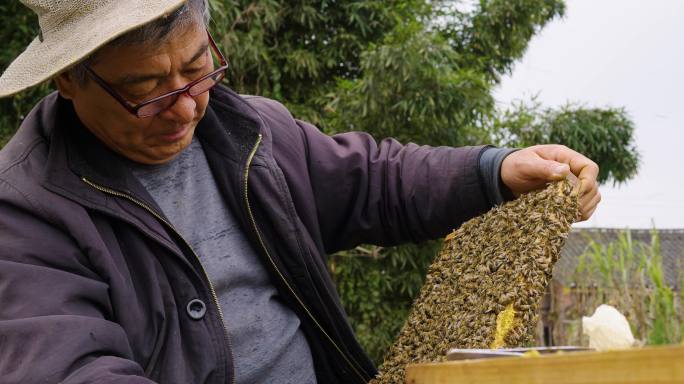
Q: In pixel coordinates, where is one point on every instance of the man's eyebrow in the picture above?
(201, 51)
(139, 78)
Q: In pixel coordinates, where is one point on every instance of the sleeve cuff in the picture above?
(490, 173)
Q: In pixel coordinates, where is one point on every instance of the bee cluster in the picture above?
(484, 288)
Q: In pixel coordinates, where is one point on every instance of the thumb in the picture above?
(553, 170)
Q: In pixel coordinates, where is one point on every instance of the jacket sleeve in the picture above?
(54, 310)
(389, 193)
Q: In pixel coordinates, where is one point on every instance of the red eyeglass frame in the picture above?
(135, 108)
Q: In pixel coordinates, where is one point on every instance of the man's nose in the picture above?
(183, 110)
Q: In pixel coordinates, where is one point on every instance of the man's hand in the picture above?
(533, 167)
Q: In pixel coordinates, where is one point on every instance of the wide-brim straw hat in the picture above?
(71, 30)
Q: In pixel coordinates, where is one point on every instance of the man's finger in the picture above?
(588, 215)
(588, 171)
(535, 167)
(580, 165)
(589, 187)
(588, 197)
(554, 170)
(588, 204)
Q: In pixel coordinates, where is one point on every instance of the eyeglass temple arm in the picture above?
(126, 104)
(222, 58)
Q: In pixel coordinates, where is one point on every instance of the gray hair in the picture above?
(157, 32)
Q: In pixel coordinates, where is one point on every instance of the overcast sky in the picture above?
(619, 53)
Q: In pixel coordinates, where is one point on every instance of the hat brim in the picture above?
(72, 42)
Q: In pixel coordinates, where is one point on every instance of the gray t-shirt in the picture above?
(267, 342)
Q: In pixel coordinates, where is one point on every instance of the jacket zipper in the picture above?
(172, 228)
(263, 246)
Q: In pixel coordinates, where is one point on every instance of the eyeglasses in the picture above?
(158, 104)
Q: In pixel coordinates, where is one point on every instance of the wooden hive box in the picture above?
(651, 365)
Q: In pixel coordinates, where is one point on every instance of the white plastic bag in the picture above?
(607, 329)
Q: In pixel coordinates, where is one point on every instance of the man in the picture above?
(157, 227)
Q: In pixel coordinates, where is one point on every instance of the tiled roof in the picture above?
(671, 249)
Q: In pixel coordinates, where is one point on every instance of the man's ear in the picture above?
(66, 85)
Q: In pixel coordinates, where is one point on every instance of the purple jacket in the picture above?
(97, 286)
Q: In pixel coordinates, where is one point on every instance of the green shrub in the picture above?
(18, 27)
(378, 286)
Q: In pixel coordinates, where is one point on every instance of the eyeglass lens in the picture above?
(202, 86)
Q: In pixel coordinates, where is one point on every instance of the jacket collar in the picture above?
(229, 125)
